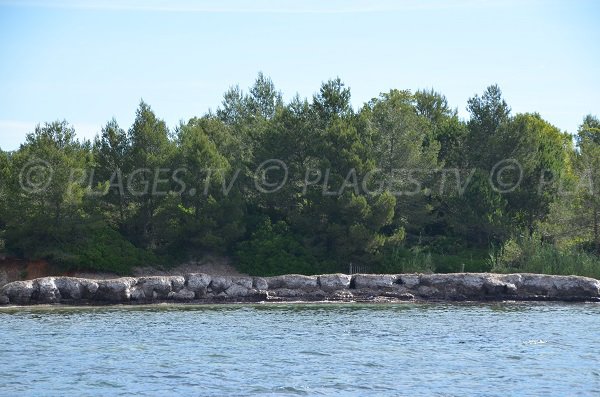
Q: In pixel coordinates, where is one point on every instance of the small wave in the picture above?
(535, 342)
(315, 353)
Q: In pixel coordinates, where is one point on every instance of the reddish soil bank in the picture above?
(14, 269)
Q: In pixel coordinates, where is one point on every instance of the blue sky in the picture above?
(89, 61)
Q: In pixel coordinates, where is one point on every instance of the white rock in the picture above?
(334, 282)
(220, 284)
(182, 295)
(293, 281)
(115, 290)
(19, 292)
(260, 283)
(374, 281)
(47, 290)
(409, 280)
(236, 290)
(198, 283)
(157, 287)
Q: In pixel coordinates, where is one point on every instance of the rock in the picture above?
(19, 292)
(137, 293)
(409, 280)
(182, 295)
(157, 287)
(115, 290)
(198, 283)
(334, 282)
(495, 287)
(90, 287)
(177, 283)
(260, 283)
(342, 295)
(398, 295)
(405, 296)
(446, 281)
(578, 288)
(287, 293)
(76, 289)
(374, 281)
(220, 284)
(47, 292)
(427, 292)
(366, 287)
(531, 286)
(237, 291)
(298, 294)
(458, 286)
(246, 282)
(293, 281)
(69, 287)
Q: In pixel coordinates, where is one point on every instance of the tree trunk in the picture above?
(596, 237)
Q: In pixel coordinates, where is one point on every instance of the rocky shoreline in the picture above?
(203, 288)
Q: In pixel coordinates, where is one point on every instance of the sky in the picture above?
(89, 61)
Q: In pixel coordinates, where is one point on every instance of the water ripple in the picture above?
(406, 349)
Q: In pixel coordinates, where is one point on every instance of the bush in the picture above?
(82, 245)
(107, 250)
(418, 259)
(529, 254)
(401, 260)
(273, 250)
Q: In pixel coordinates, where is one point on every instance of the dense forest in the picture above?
(400, 184)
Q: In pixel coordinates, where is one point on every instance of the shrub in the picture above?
(273, 250)
(529, 254)
(82, 246)
(398, 259)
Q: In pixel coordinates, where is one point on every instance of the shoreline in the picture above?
(192, 305)
(199, 288)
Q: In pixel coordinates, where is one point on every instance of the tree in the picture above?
(150, 153)
(401, 184)
(200, 222)
(264, 99)
(233, 108)
(333, 100)
(337, 218)
(406, 154)
(46, 190)
(488, 113)
(478, 214)
(5, 174)
(541, 151)
(588, 162)
(444, 125)
(432, 105)
(112, 148)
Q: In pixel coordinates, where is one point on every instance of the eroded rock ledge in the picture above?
(200, 287)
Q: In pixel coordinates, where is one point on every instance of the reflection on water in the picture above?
(302, 349)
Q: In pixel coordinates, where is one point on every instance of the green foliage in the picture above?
(274, 250)
(365, 186)
(101, 249)
(402, 260)
(447, 257)
(333, 100)
(530, 254)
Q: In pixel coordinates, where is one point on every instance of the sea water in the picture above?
(402, 349)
